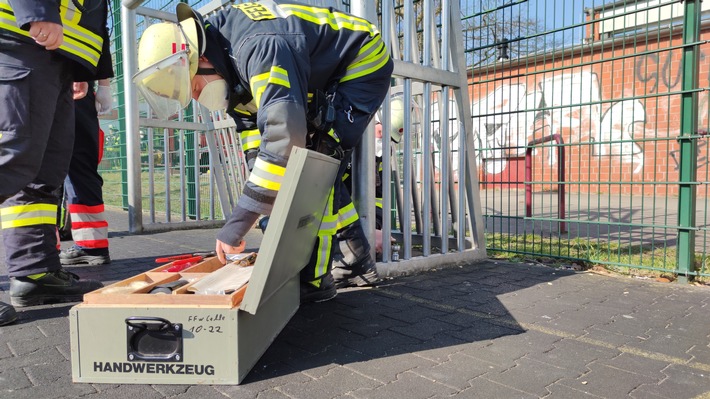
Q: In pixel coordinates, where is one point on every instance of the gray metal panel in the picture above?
(293, 226)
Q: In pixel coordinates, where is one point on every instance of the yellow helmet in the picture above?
(168, 56)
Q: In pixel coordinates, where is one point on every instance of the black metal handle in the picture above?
(148, 323)
(154, 339)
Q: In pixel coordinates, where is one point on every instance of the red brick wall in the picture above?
(626, 96)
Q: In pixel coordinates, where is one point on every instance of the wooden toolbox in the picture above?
(123, 333)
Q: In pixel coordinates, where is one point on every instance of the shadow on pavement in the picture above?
(412, 315)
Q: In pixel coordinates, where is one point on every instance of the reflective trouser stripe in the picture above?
(326, 232)
(28, 215)
(89, 227)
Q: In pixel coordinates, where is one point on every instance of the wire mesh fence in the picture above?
(586, 119)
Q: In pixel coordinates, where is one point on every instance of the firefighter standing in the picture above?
(83, 187)
(45, 46)
(261, 62)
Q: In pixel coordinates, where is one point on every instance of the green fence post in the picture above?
(119, 74)
(688, 143)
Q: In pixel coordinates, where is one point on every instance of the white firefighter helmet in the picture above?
(168, 55)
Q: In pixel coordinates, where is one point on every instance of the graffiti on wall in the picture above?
(568, 104)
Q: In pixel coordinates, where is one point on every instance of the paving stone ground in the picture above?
(485, 330)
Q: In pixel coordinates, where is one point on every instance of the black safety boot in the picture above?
(361, 275)
(84, 256)
(352, 264)
(324, 291)
(7, 314)
(50, 287)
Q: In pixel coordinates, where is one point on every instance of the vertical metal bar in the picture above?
(167, 133)
(390, 40)
(133, 156)
(408, 25)
(429, 27)
(181, 169)
(151, 174)
(196, 173)
(473, 200)
(688, 144)
(444, 124)
(363, 190)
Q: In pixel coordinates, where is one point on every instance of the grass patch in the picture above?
(114, 196)
(637, 260)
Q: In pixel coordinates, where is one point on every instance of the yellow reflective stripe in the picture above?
(78, 41)
(241, 111)
(279, 76)
(29, 222)
(347, 215)
(28, 215)
(345, 176)
(332, 134)
(325, 243)
(68, 11)
(269, 167)
(368, 65)
(378, 202)
(326, 232)
(261, 182)
(371, 48)
(336, 20)
(276, 75)
(250, 139)
(329, 223)
(17, 209)
(267, 175)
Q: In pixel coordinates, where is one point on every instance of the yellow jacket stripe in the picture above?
(78, 41)
(276, 76)
(28, 215)
(347, 215)
(323, 16)
(250, 139)
(267, 175)
(375, 56)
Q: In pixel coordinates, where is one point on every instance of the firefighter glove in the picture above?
(104, 100)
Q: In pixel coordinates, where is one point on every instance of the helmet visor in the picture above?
(166, 84)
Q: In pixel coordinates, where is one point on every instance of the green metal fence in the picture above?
(590, 120)
(181, 178)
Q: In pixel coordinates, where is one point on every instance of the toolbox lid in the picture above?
(293, 225)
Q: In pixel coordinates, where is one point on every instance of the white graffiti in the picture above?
(508, 118)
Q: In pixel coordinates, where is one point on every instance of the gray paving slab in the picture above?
(486, 330)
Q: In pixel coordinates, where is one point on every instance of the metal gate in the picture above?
(430, 179)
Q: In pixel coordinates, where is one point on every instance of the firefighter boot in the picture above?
(319, 290)
(57, 286)
(77, 255)
(7, 314)
(352, 263)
